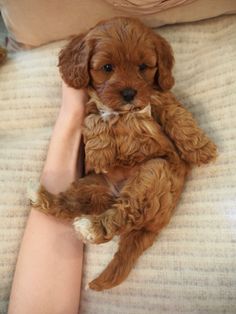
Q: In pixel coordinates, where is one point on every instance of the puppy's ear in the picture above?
(165, 58)
(74, 62)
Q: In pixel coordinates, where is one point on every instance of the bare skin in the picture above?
(49, 268)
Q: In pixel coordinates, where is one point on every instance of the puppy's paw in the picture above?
(41, 199)
(32, 191)
(101, 160)
(97, 167)
(203, 155)
(84, 229)
(90, 229)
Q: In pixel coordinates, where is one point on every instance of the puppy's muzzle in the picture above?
(128, 94)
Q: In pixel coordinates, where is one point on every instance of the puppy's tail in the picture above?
(131, 246)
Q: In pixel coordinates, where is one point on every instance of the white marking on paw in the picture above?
(83, 228)
(32, 191)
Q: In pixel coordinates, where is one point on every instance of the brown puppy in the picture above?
(140, 143)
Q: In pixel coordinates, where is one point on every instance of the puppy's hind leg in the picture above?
(88, 195)
(151, 189)
(131, 246)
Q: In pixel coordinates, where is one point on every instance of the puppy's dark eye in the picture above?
(142, 67)
(107, 68)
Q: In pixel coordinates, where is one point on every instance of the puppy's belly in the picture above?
(117, 176)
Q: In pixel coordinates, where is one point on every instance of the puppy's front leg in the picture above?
(193, 144)
(100, 148)
(99, 157)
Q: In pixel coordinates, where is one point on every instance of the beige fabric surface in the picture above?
(192, 266)
(144, 7)
(33, 22)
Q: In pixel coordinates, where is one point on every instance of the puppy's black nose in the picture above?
(128, 94)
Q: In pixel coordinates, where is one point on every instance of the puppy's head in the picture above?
(121, 59)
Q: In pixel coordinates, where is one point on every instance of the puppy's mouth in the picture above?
(108, 103)
(130, 107)
(133, 106)
(127, 107)
(121, 106)
(107, 113)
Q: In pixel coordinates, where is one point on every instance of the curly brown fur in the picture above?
(139, 146)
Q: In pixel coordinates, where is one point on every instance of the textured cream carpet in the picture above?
(192, 266)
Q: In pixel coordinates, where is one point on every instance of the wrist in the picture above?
(70, 119)
(73, 101)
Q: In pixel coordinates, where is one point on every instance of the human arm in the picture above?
(49, 268)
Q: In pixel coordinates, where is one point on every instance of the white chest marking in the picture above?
(107, 113)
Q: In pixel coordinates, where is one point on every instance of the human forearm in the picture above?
(48, 274)
(59, 172)
(49, 266)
